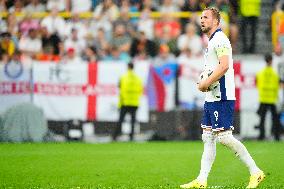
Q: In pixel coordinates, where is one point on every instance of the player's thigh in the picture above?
(221, 115)
(206, 121)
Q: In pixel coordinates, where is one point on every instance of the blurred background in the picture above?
(61, 61)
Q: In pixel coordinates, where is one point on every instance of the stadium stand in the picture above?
(19, 17)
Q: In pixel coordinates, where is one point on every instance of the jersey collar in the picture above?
(218, 30)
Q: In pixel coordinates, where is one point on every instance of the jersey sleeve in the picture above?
(222, 47)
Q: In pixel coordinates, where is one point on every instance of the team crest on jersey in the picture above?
(206, 52)
(13, 69)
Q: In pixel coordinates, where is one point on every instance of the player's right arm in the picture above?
(222, 51)
(220, 70)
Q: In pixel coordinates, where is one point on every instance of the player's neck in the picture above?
(209, 34)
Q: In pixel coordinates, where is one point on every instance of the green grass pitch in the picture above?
(131, 165)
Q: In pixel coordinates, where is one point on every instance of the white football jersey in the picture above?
(218, 46)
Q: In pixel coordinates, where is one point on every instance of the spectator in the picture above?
(90, 54)
(185, 57)
(95, 3)
(54, 23)
(72, 57)
(106, 10)
(250, 11)
(146, 23)
(17, 7)
(124, 20)
(12, 24)
(142, 56)
(169, 24)
(28, 23)
(167, 20)
(167, 39)
(205, 3)
(4, 57)
(30, 45)
(3, 25)
(190, 40)
(48, 55)
(168, 7)
(125, 6)
(73, 41)
(3, 7)
(143, 47)
(77, 23)
(95, 25)
(164, 56)
(60, 5)
(9, 3)
(105, 13)
(149, 5)
(117, 2)
(79, 6)
(34, 6)
(15, 58)
(278, 50)
(131, 7)
(120, 39)
(114, 54)
(193, 7)
(51, 41)
(101, 43)
(277, 63)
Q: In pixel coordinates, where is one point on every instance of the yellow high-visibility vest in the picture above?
(250, 7)
(8, 47)
(267, 81)
(131, 89)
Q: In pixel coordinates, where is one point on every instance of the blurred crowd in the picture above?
(110, 33)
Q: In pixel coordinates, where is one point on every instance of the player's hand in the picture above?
(203, 86)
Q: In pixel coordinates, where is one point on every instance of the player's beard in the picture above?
(205, 30)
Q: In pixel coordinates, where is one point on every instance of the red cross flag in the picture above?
(83, 91)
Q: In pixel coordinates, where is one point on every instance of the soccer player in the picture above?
(217, 121)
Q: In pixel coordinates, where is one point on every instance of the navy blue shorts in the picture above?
(218, 115)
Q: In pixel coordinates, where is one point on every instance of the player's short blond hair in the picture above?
(215, 12)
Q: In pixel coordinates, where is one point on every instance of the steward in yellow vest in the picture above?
(250, 7)
(268, 85)
(267, 82)
(131, 89)
(250, 11)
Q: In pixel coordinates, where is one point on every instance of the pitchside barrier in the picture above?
(171, 105)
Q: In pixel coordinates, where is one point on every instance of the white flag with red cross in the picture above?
(83, 91)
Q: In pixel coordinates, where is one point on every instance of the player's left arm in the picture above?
(223, 57)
